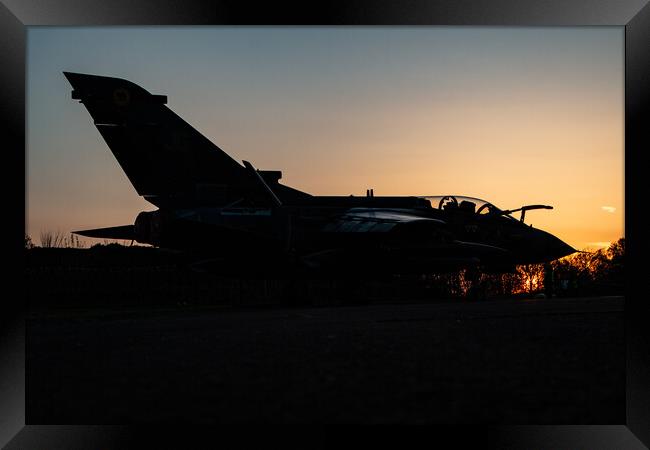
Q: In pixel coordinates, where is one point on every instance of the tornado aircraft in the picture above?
(210, 204)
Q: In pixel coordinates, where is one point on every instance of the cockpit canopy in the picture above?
(469, 204)
(474, 205)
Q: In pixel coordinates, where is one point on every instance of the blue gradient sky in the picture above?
(512, 115)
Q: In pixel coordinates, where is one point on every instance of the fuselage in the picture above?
(304, 231)
(212, 204)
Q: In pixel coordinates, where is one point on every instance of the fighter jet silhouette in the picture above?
(209, 203)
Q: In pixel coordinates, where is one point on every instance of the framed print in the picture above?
(351, 87)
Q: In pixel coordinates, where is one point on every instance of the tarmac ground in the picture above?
(542, 361)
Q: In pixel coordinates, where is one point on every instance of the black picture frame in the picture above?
(634, 15)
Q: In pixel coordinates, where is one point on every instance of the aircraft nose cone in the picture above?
(559, 248)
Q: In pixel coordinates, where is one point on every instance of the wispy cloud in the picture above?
(599, 244)
(609, 209)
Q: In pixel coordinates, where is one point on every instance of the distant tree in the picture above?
(592, 272)
(28, 242)
(506, 284)
(531, 277)
(582, 273)
(590, 265)
(109, 243)
(616, 263)
(616, 251)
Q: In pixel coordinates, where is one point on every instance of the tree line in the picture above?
(599, 272)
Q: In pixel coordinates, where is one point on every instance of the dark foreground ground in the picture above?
(542, 361)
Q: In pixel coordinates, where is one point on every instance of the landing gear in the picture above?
(475, 286)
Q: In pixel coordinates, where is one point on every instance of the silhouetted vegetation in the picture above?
(588, 273)
(59, 239)
(113, 274)
(107, 243)
(599, 272)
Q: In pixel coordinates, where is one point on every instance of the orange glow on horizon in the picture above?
(513, 116)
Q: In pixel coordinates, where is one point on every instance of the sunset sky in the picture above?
(511, 115)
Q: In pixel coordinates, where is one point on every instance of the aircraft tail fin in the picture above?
(162, 155)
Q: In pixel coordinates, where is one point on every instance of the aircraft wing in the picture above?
(408, 230)
(375, 220)
(413, 240)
